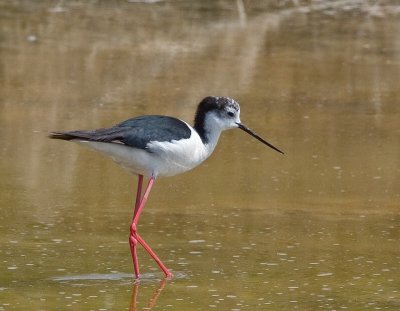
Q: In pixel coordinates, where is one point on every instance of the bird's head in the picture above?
(221, 113)
(218, 113)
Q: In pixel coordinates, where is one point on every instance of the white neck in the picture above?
(212, 130)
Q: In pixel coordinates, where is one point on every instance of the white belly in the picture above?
(162, 159)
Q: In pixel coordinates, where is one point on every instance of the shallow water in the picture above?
(250, 229)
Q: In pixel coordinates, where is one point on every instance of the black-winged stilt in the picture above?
(156, 146)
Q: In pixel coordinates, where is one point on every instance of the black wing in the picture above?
(136, 132)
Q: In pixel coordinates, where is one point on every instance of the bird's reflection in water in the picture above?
(153, 299)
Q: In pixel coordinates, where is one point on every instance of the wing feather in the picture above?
(136, 132)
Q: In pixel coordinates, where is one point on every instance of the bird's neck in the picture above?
(209, 131)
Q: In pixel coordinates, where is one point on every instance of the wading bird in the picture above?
(155, 146)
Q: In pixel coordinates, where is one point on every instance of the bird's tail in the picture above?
(101, 135)
(62, 135)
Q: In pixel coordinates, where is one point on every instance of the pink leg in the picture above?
(167, 273)
(138, 194)
(134, 237)
(133, 244)
(132, 240)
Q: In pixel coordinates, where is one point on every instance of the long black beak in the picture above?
(249, 131)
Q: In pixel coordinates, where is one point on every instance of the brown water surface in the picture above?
(250, 229)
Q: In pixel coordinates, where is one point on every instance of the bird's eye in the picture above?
(230, 113)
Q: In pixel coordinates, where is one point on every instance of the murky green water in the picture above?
(316, 229)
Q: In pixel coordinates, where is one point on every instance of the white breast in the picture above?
(161, 159)
(178, 156)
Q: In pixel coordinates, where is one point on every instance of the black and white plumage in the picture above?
(161, 146)
(157, 145)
